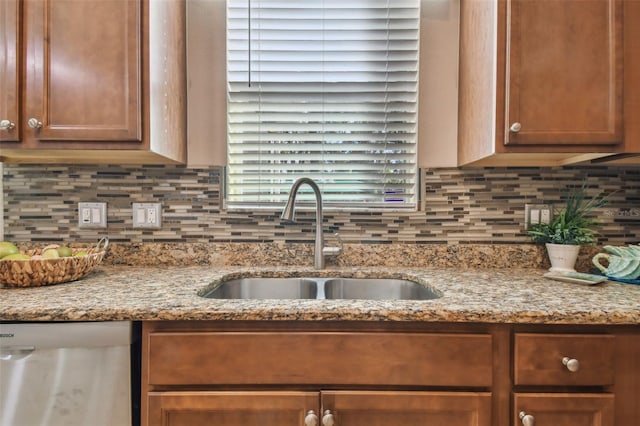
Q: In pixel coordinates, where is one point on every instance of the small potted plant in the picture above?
(570, 228)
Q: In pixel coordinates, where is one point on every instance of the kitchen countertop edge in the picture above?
(519, 296)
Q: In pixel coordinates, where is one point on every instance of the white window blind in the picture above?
(325, 89)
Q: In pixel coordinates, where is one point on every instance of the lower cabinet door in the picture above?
(338, 408)
(230, 408)
(563, 409)
(354, 408)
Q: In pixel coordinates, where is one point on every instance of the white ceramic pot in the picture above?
(562, 256)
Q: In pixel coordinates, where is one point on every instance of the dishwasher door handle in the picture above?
(15, 353)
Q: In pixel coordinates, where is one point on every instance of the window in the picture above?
(326, 89)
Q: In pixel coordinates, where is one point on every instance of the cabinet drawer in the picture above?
(341, 358)
(539, 359)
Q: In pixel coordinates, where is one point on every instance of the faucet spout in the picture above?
(288, 213)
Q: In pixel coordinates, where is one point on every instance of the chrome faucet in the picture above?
(288, 214)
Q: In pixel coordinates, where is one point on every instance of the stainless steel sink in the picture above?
(321, 288)
(265, 288)
(376, 289)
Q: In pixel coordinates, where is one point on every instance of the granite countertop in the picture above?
(171, 293)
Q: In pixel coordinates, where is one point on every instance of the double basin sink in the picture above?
(321, 288)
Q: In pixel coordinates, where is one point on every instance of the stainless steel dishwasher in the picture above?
(67, 374)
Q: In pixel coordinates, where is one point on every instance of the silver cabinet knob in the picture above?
(311, 419)
(527, 419)
(572, 365)
(327, 419)
(34, 123)
(7, 125)
(515, 127)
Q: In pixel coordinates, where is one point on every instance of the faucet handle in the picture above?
(333, 251)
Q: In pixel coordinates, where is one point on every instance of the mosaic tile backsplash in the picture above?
(458, 206)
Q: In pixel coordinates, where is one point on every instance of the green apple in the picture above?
(7, 248)
(51, 254)
(16, 256)
(64, 251)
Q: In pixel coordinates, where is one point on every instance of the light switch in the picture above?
(96, 217)
(545, 215)
(535, 214)
(85, 215)
(92, 215)
(534, 217)
(140, 216)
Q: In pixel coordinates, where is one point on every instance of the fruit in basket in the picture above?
(51, 253)
(16, 256)
(35, 268)
(7, 248)
(64, 251)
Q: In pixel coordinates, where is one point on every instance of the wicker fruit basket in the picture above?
(40, 272)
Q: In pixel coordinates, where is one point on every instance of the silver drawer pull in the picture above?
(311, 419)
(327, 419)
(572, 365)
(527, 419)
(34, 123)
(7, 125)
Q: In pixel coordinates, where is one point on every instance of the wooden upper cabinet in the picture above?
(565, 72)
(100, 81)
(83, 71)
(541, 82)
(631, 77)
(9, 71)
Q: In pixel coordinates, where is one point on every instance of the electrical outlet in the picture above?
(92, 215)
(147, 215)
(535, 214)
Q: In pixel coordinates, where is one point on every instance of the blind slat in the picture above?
(333, 96)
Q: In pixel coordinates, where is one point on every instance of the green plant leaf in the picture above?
(573, 224)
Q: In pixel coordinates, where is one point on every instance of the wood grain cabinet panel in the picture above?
(101, 81)
(565, 409)
(565, 72)
(9, 71)
(355, 408)
(541, 82)
(83, 70)
(325, 358)
(631, 80)
(388, 373)
(539, 359)
(263, 408)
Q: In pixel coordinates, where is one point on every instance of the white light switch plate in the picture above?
(92, 215)
(147, 215)
(536, 213)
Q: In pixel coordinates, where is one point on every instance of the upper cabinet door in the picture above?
(9, 69)
(564, 72)
(82, 71)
